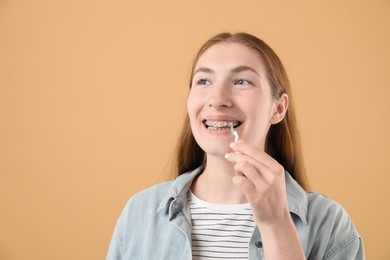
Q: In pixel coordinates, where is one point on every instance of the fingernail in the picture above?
(232, 145)
(227, 156)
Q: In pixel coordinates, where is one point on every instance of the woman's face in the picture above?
(230, 86)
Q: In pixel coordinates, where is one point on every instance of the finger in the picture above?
(249, 184)
(254, 152)
(262, 171)
(239, 158)
(245, 185)
(247, 169)
(256, 177)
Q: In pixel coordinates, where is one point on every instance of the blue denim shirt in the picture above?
(156, 224)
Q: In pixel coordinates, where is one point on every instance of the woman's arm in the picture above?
(262, 180)
(281, 240)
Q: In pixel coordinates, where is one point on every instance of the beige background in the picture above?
(92, 94)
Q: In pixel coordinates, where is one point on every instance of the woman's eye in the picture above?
(203, 82)
(242, 82)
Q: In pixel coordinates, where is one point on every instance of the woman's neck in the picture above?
(215, 184)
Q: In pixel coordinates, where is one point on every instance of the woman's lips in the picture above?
(220, 125)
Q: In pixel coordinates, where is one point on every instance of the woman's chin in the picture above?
(217, 151)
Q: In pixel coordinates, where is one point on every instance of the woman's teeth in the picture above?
(220, 125)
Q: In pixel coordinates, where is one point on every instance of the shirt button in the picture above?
(259, 244)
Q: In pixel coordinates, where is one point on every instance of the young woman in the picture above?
(236, 199)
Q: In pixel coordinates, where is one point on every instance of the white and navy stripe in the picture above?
(220, 231)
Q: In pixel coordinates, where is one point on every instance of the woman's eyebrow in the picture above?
(205, 70)
(245, 68)
(237, 69)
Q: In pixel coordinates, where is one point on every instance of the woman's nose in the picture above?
(220, 97)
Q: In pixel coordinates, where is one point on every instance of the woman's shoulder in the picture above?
(143, 205)
(320, 200)
(165, 190)
(159, 195)
(335, 234)
(320, 205)
(327, 213)
(151, 195)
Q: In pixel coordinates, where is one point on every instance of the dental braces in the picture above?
(220, 124)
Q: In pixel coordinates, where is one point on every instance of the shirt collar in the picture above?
(177, 195)
(297, 198)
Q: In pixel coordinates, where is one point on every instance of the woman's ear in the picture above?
(280, 109)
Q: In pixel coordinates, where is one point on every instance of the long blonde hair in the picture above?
(282, 141)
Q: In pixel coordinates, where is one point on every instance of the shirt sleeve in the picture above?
(349, 248)
(115, 249)
(332, 236)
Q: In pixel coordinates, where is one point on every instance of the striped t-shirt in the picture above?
(220, 231)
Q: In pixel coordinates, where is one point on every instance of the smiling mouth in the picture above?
(220, 125)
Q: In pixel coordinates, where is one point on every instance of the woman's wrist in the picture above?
(275, 223)
(280, 239)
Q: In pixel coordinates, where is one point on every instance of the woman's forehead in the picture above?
(230, 54)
